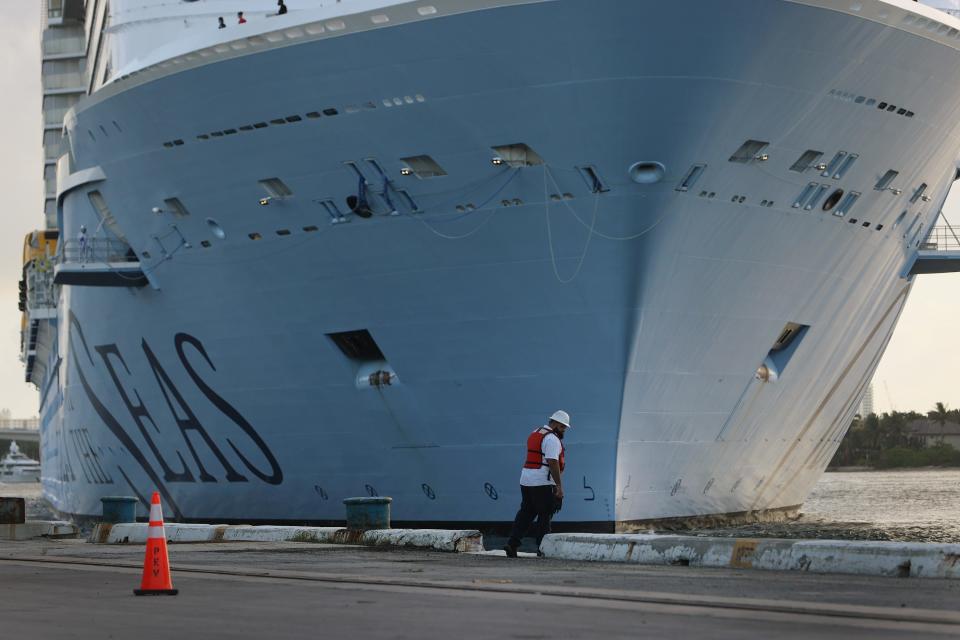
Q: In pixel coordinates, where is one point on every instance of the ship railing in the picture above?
(97, 250)
(942, 238)
(939, 253)
(98, 262)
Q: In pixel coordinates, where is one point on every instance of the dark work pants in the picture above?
(537, 504)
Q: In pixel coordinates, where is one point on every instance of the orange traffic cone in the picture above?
(156, 566)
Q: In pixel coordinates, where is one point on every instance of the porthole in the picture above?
(647, 172)
(216, 229)
(832, 200)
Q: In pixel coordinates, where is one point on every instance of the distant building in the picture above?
(931, 433)
(71, 29)
(866, 404)
(27, 424)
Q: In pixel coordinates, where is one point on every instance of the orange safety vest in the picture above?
(535, 458)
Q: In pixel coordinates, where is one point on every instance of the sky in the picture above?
(921, 365)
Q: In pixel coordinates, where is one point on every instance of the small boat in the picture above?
(17, 467)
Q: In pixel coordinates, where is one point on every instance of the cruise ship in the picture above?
(365, 247)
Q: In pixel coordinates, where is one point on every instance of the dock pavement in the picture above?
(55, 589)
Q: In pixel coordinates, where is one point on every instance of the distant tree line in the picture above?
(885, 441)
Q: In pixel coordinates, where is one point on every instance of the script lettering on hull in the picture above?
(184, 416)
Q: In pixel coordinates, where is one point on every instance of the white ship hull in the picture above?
(497, 294)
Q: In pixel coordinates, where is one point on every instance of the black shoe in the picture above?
(510, 550)
(541, 554)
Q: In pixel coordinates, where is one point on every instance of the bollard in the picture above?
(118, 509)
(368, 513)
(13, 511)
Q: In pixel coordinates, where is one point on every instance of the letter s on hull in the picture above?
(276, 473)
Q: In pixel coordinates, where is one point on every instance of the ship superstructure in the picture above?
(365, 247)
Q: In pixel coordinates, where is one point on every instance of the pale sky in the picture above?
(921, 365)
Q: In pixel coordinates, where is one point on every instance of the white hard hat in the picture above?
(562, 417)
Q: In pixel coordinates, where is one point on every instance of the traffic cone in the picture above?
(156, 566)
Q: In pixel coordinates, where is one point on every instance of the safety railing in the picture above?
(40, 290)
(943, 238)
(100, 250)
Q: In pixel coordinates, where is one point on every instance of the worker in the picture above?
(82, 243)
(541, 486)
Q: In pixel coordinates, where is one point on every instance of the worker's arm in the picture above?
(555, 472)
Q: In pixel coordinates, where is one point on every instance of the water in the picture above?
(916, 505)
(921, 505)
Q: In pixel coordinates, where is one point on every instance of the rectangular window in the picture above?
(815, 198)
(918, 193)
(692, 176)
(845, 166)
(749, 151)
(807, 160)
(886, 180)
(846, 204)
(805, 195)
(834, 164)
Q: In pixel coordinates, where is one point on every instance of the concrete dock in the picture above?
(71, 589)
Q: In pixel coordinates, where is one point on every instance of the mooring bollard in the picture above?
(368, 513)
(117, 509)
(13, 511)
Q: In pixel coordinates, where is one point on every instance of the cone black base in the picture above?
(155, 592)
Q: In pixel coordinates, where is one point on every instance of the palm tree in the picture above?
(940, 415)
